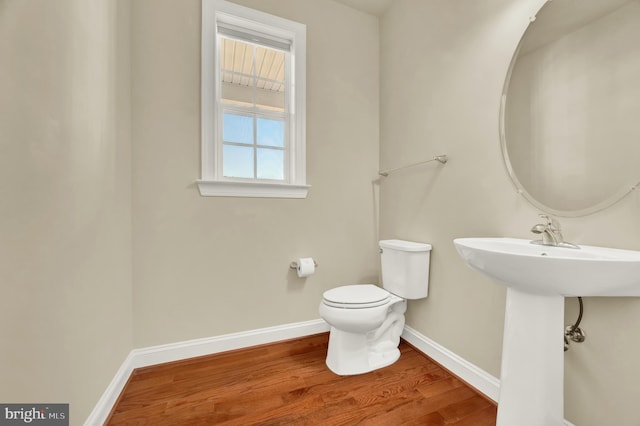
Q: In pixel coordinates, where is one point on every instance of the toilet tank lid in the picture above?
(404, 245)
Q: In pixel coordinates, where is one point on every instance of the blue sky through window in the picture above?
(241, 155)
(270, 132)
(238, 161)
(237, 128)
(270, 163)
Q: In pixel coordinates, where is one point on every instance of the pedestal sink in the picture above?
(538, 278)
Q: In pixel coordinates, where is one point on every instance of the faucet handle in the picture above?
(551, 222)
(546, 217)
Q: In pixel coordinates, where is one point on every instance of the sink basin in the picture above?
(538, 278)
(538, 269)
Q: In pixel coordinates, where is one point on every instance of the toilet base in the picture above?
(352, 353)
(356, 352)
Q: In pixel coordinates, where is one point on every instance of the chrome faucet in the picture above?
(550, 232)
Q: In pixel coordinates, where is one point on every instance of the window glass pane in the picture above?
(270, 132)
(237, 161)
(269, 99)
(270, 164)
(251, 86)
(237, 95)
(237, 72)
(237, 57)
(270, 65)
(237, 128)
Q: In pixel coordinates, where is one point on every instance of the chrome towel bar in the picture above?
(439, 158)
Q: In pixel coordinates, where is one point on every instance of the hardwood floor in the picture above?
(287, 383)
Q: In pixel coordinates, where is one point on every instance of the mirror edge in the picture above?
(520, 189)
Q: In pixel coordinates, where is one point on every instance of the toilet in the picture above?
(366, 320)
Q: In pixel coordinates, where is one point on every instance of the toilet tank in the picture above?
(405, 268)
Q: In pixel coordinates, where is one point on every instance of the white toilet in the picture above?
(366, 320)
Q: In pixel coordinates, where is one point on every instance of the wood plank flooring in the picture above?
(288, 383)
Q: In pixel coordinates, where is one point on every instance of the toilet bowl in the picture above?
(366, 320)
(364, 334)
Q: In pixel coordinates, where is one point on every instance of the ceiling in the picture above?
(374, 7)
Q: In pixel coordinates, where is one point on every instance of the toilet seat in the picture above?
(357, 296)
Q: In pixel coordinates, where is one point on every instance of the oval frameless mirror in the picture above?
(570, 115)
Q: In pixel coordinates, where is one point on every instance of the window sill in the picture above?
(211, 188)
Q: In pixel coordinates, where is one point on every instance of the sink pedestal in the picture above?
(537, 278)
(532, 372)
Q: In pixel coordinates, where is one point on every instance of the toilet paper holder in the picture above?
(294, 264)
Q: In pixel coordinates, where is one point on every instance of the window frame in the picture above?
(212, 183)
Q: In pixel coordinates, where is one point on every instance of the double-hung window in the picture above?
(253, 103)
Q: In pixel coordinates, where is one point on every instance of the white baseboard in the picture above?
(137, 358)
(109, 397)
(152, 355)
(210, 345)
(474, 376)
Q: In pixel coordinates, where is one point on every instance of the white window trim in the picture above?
(211, 184)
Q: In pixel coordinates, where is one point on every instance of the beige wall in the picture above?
(100, 106)
(206, 266)
(65, 234)
(443, 64)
